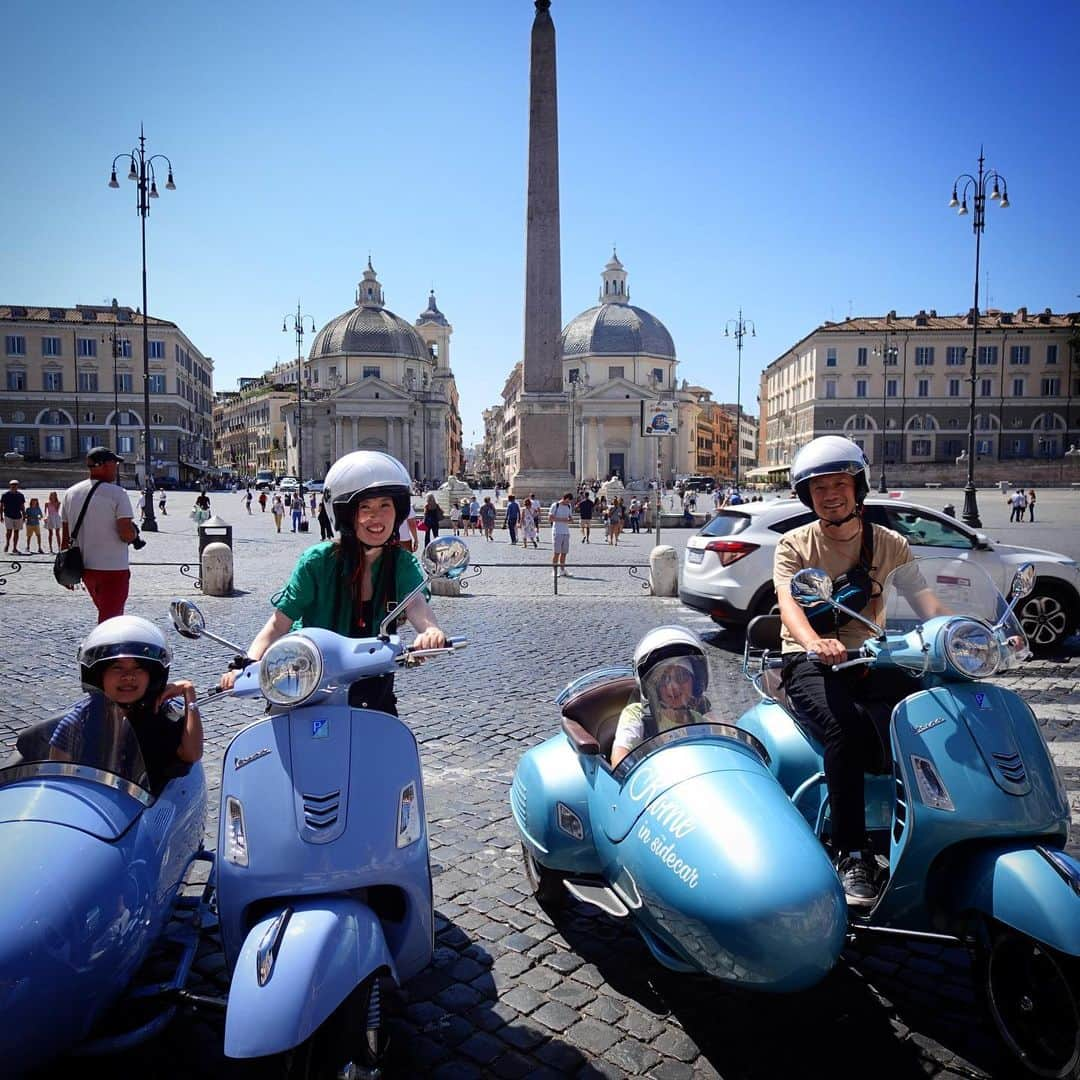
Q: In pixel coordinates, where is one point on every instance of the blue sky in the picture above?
(793, 160)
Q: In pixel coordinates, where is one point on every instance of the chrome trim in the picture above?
(72, 770)
(1066, 871)
(270, 945)
(688, 732)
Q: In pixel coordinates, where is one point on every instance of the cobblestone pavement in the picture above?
(513, 992)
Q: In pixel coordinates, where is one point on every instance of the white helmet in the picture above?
(665, 642)
(363, 474)
(124, 637)
(826, 456)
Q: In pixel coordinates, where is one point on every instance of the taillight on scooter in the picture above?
(236, 849)
(730, 551)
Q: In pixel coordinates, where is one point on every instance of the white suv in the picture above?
(727, 568)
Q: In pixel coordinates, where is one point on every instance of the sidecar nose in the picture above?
(730, 874)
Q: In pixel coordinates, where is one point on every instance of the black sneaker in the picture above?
(860, 878)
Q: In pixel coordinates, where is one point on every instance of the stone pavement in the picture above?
(513, 992)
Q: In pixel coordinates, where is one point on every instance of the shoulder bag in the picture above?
(68, 564)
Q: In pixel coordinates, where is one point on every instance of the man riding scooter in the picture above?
(848, 711)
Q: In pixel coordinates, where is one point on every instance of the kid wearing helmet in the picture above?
(672, 675)
(130, 723)
(349, 584)
(846, 710)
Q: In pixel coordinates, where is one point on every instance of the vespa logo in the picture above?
(320, 729)
(240, 762)
(920, 728)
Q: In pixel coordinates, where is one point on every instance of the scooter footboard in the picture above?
(1023, 887)
(297, 965)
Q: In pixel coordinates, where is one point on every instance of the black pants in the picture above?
(848, 711)
(512, 529)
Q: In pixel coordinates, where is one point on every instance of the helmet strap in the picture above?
(857, 512)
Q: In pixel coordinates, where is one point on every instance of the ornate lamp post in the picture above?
(299, 325)
(142, 172)
(576, 386)
(888, 354)
(741, 326)
(976, 185)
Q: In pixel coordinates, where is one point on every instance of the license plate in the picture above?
(694, 555)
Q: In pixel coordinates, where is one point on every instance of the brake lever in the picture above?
(853, 663)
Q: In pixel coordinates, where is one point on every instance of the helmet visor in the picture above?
(121, 650)
(673, 683)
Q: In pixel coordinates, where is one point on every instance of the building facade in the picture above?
(373, 381)
(899, 386)
(249, 432)
(73, 379)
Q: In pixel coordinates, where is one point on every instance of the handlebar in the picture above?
(855, 657)
(453, 644)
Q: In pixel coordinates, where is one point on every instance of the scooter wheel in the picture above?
(1032, 994)
(546, 885)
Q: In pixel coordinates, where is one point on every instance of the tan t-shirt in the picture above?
(809, 546)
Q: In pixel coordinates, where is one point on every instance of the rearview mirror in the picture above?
(187, 618)
(811, 586)
(446, 557)
(1023, 582)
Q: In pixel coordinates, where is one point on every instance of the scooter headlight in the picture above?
(291, 670)
(972, 648)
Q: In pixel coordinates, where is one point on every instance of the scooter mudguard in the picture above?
(297, 965)
(1033, 892)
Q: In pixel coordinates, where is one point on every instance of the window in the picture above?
(830, 389)
(830, 358)
(573, 375)
(89, 417)
(982, 422)
(920, 528)
(126, 444)
(1051, 387)
(15, 344)
(862, 357)
(86, 443)
(158, 443)
(657, 375)
(371, 371)
(19, 442)
(126, 418)
(123, 347)
(1018, 387)
(860, 388)
(891, 357)
(988, 355)
(54, 444)
(53, 416)
(924, 388)
(986, 387)
(954, 356)
(954, 388)
(984, 446)
(158, 418)
(50, 346)
(890, 388)
(88, 382)
(924, 355)
(52, 380)
(1051, 354)
(86, 347)
(615, 372)
(920, 447)
(951, 448)
(860, 423)
(1020, 354)
(157, 350)
(16, 380)
(157, 384)
(123, 382)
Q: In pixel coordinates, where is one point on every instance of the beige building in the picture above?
(899, 386)
(249, 433)
(73, 379)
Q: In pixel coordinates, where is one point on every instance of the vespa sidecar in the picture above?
(92, 865)
(690, 837)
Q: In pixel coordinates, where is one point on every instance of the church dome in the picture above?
(615, 327)
(369, 329)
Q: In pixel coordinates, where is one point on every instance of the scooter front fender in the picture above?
(1022, 888)
(326, 948)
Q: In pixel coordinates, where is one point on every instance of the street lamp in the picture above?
(966, 183)
(142, 172)
(888, 354)
(575, 385)
(739, 333)
(299, 324)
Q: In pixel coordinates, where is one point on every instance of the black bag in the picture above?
(68, 564)
(303, 525)
(854, 589)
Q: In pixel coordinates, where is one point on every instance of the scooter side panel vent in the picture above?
(520, 800)
(1011, 768)
(321, 811)
(900, 811)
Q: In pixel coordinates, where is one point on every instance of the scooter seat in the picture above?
(597, 709)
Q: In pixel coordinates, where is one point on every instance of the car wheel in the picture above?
(767, 605)
(1044, 616)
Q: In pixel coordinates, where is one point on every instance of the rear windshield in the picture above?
(793, 522)
(725, 523)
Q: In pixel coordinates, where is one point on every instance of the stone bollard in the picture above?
(216, 570)
(445, 587)
(664, 571)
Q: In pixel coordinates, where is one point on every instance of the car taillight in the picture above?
(730, 551)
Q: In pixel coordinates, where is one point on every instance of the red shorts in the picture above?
(109, 591)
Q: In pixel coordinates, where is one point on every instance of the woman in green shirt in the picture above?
(349, 584)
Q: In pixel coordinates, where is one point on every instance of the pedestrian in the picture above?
(326, 526)
(408, 532)
(432, 517)
(513, 516)
(535, 510)
(296, 505)
(262, 501)
(1030, 510)
(615, 519)
(474, 514)
(52, 519)
(34, 514)
(349, 585)
(312, 504)
(107, 528)
(604, 511)
(528, 525)
(585, 512)
(645, 511)
(1018, 501)
(14, 507)
(455, 516)
(561, 514)
(161, 503)
(247, 499)
(487, 517)
(633, 515)
(277, 508)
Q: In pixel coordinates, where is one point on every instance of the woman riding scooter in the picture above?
(347, 585)
(846, 710)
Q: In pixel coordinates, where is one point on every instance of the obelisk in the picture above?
(543, 457)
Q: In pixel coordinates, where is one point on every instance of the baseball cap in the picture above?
(101, 455)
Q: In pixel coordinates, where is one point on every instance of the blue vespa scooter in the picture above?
(322, 881)
(972, 822)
